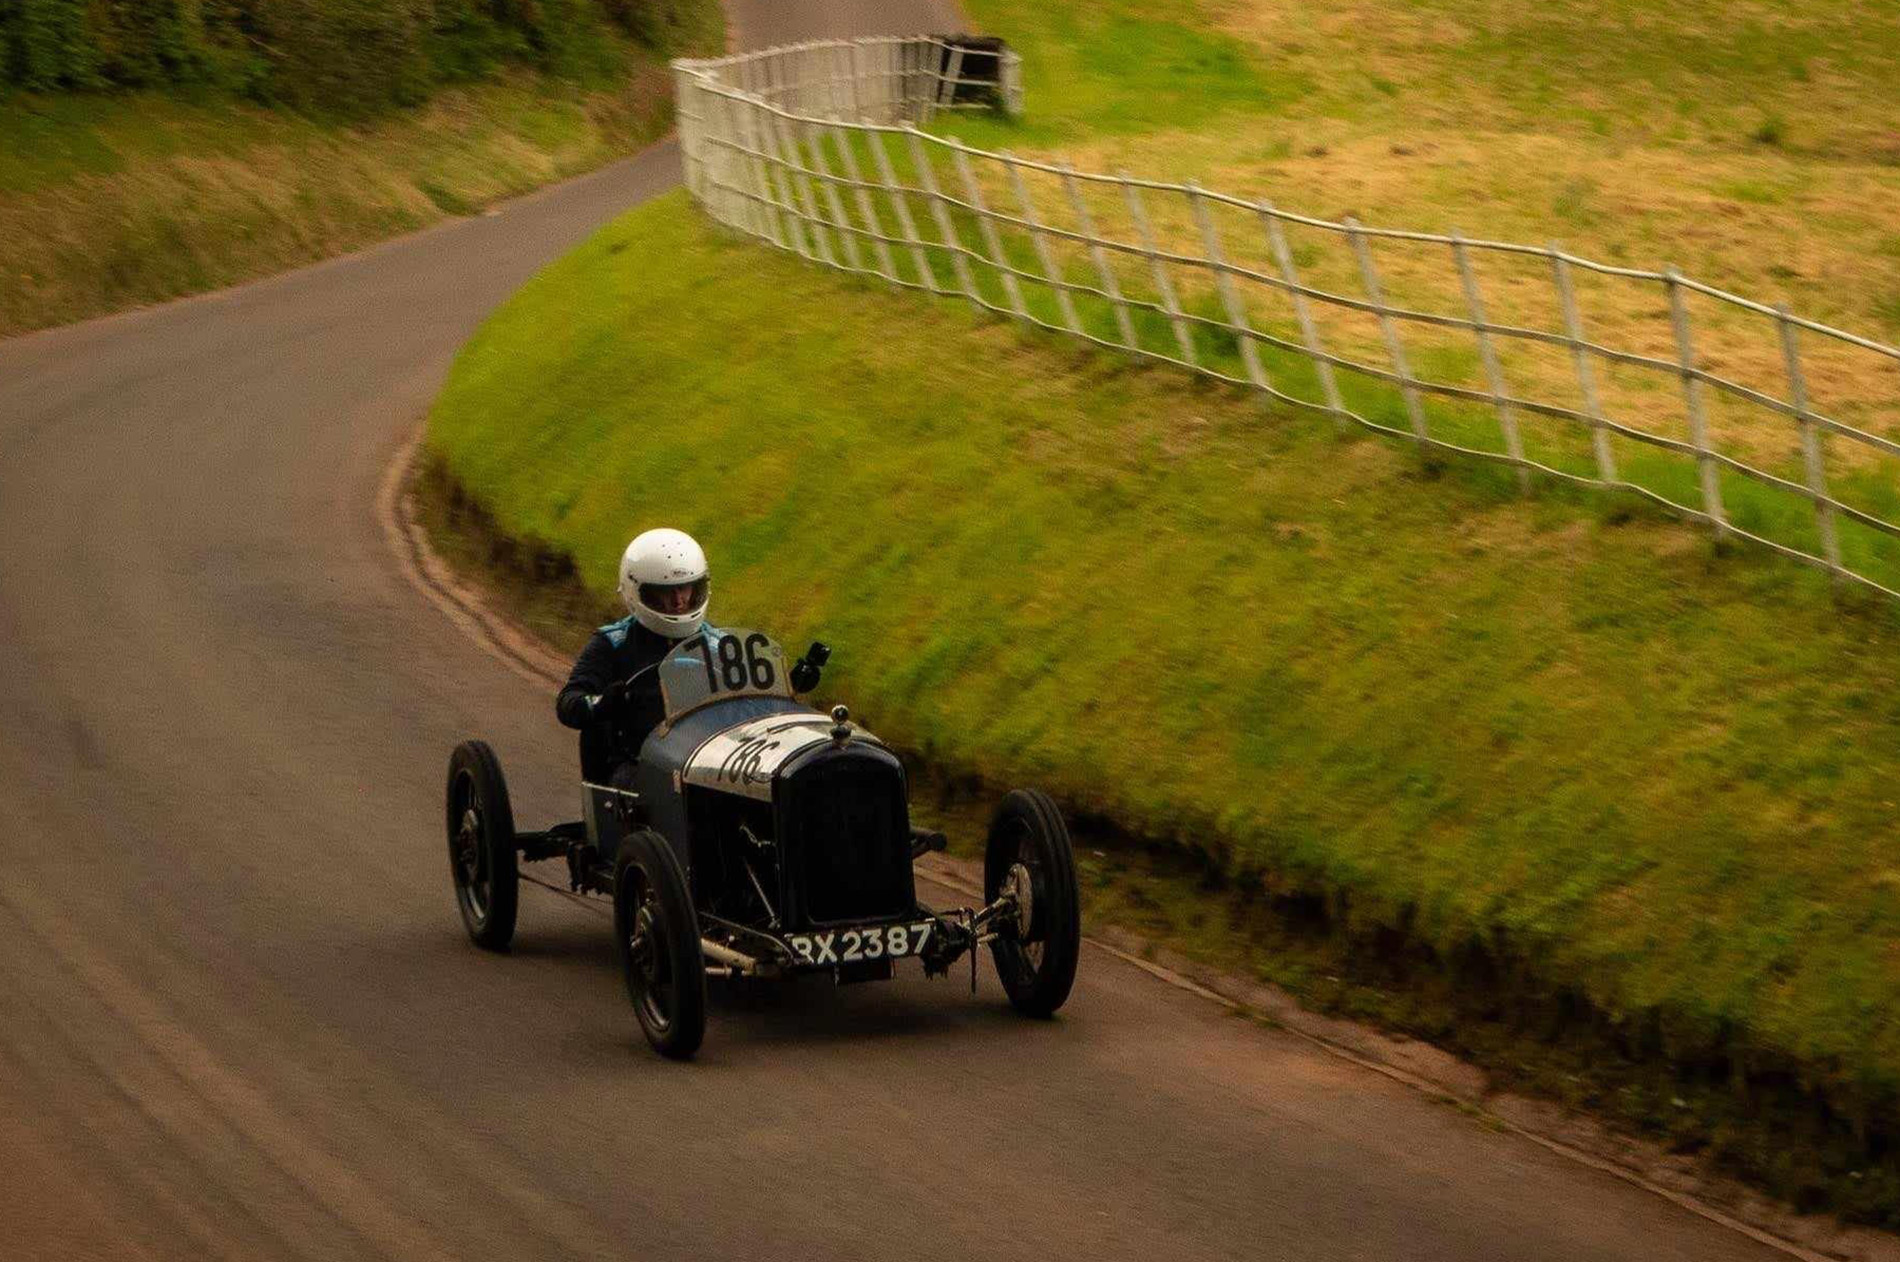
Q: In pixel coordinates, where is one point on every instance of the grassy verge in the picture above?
(1646, 398)
(111, 201)
(1565, 760)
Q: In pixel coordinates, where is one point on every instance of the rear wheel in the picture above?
(481, 828)
(657, 933)
(1030, 857)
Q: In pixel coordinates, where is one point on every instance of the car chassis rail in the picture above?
(738, 950)
(959, 930)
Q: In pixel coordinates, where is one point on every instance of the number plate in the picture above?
(868, 942)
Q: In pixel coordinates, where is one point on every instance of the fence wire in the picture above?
(1767, 427)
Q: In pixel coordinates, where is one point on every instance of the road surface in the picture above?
(238, 1016)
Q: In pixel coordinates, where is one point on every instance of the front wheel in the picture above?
(657, 933)
(482, 845)
(1030, 857)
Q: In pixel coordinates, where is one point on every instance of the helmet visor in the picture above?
(675, 600)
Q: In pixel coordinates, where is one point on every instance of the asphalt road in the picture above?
(239, 1019)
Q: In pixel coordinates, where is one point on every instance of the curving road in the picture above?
(238, 1018)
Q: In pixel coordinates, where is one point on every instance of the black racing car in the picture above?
(762, 838)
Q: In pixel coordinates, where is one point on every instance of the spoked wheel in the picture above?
(482, 845)
(658, 936)
(1031, 858)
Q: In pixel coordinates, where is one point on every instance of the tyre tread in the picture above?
(491, 789)
(646, 847)
(1061, 953)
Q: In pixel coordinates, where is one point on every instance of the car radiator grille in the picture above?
(852, 848)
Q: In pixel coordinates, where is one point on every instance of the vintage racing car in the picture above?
(761, 838)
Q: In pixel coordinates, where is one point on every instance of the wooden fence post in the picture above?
(1229, 296)
(945, 95)
(748, 195)
(884, 98)
(1488, 356)
(798, 230)
(802, 178)
(847, 146)
(992, 242)
(1110, 286)
(687, 90)
(1692, 398)
(758, 205)
(1164, 284)
(927, 177)
(1811, 451)
(1394, 348)
(841, 224)
(1057, 282)
(909, 59)
(1309, 332)
(900, 204)
(853, 75)
(1586, 374)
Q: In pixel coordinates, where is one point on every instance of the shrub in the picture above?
(674, 27)
(1772, 131)
(340, 56)
(344, 56)
(49, 45)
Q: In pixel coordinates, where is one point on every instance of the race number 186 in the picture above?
(737, 666)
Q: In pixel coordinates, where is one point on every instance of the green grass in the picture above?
(1657, 776)
(1107, 69)
(1446, 357)
(110, 201)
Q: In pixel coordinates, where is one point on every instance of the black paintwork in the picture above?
(665, 753)
(838, 823)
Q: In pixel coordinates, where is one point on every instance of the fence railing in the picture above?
(1766, 426)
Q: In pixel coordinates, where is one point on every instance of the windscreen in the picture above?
(716, 664)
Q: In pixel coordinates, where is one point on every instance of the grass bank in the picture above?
(1261, 100)
(113, 200)
(1637, 794)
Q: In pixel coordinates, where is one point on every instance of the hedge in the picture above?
(338, 56)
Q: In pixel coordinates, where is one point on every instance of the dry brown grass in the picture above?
(1751, 145)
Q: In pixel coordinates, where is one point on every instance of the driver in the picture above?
(611, 696)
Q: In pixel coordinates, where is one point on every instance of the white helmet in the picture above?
(663, 581)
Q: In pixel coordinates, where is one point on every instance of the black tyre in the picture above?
(1029, 851)
(482, 845)
(657, 934)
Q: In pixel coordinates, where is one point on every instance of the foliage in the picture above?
(348, 57)
(153, 158)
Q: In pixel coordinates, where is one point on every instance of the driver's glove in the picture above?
(804, 676)
(805, 670)
(611, 704)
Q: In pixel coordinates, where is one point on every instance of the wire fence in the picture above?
(1765, 426)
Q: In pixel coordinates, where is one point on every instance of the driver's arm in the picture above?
(587, 684)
